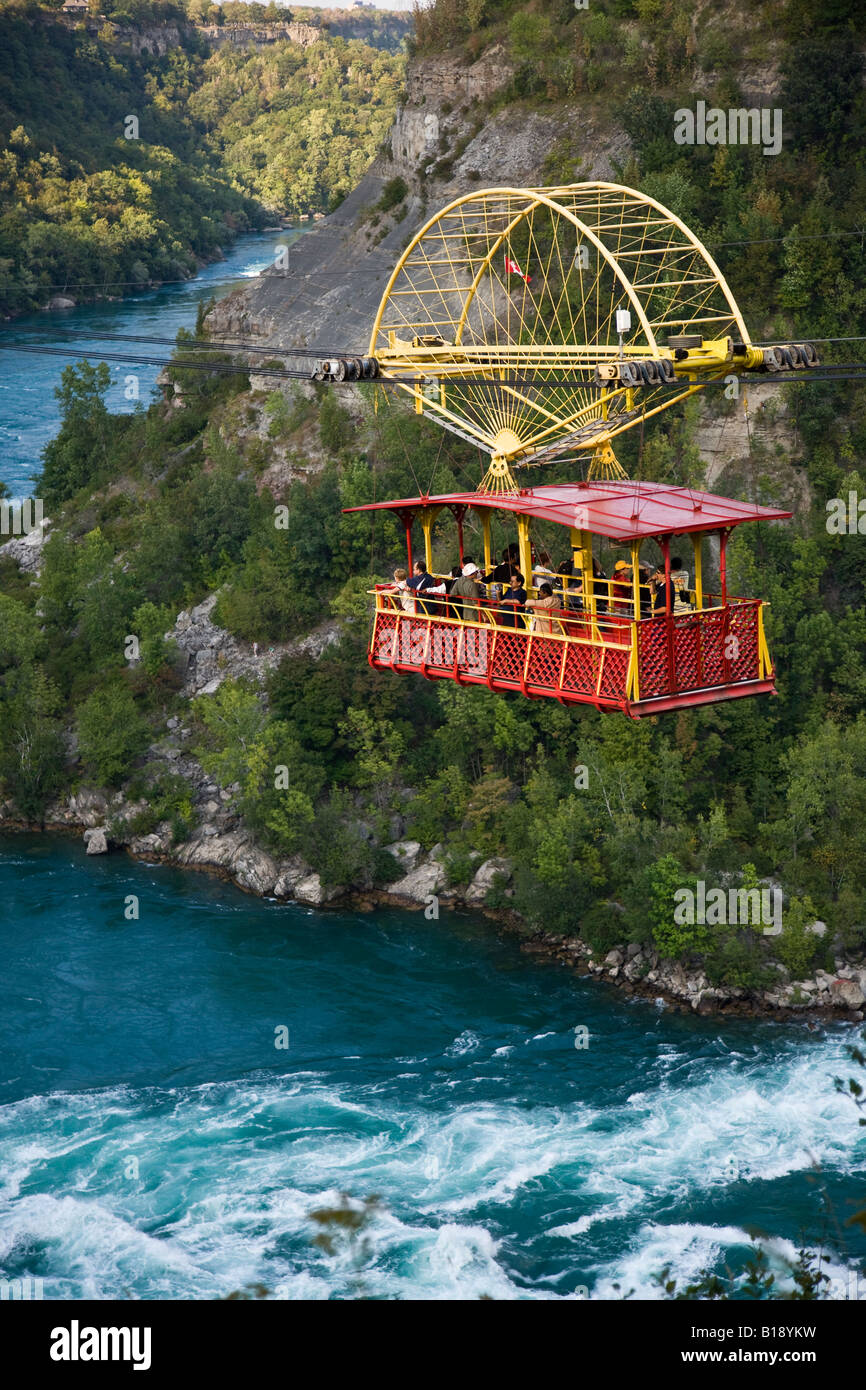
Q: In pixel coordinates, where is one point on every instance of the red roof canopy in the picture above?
(623, 510)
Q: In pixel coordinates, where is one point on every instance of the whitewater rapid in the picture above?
(154, 1143)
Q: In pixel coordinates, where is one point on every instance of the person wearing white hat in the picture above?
(467, 592)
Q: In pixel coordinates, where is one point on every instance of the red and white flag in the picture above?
(512, 268)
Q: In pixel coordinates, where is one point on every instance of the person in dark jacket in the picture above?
(501, 573)
(421, 580)
(513, 603)
(448, 610)
(663, 589)
(572, 587)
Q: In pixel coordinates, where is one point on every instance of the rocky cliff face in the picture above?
(442, 143)
(164, 38)
(259, 35)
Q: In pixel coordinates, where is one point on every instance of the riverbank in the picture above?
(230, 853)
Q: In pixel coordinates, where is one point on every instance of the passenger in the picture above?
(600, 589)
(542, 572)
(662, 590)
(466, 594)
(621, 588)
(679, 576)
(572, 588)
(421, 577)
(542, 607)
(405, 599)
(513, 602)
(422, 581)
(501, 573)
(448, 608)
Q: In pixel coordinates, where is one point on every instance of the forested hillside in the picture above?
(155, 511)
(222, 140)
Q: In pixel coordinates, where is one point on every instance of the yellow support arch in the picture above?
(518, 343)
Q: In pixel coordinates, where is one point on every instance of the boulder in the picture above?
(149, 844)
(817, 928)
(88, 807)
(291, 873)
(847, 993)
(422, 883)
(310, 891)
(485, 877)
(255, 870)
(677, 979)
(26, 550)
(218, 851)
(614, 958)
(96, 841)
(406, 853)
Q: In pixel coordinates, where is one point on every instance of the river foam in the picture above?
(154, 1143)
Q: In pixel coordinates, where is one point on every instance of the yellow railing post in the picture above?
(635, 578)
(581, 544)
(765, 665)
(697, 545)
(428, 516)
(632, 686)
(525, 551)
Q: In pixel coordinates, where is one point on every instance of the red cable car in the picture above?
(605, 642)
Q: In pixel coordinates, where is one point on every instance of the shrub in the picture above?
(797, 947)
(603, 927)
(393, 193)
(111, 734)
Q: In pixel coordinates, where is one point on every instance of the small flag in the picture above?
(512, 268)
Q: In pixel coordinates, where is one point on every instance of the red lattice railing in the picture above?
(579, 660)
(716, 646)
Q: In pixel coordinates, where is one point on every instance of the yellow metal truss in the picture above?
(506, 301)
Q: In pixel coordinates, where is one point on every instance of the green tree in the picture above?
(111, 734)
(78, 454)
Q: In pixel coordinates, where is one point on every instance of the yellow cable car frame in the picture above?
(506, 300)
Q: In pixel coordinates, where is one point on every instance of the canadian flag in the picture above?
(512, 268)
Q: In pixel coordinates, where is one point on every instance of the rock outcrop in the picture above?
(26, 550)
(210, 654)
